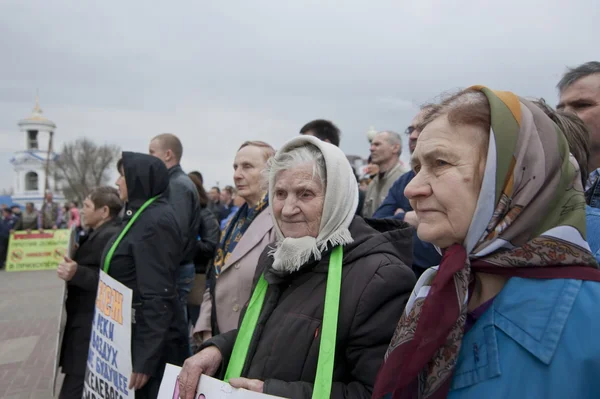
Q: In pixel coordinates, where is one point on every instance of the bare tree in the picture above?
(83, 165)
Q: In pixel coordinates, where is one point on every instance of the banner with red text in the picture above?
(109, 358)
(36, 250)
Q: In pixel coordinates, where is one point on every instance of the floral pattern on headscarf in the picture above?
(530, 221)
(234, 230)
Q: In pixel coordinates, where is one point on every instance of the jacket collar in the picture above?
(260, 226)
(534, 322)
(175, 170)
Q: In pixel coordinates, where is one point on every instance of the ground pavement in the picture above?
(29, 313)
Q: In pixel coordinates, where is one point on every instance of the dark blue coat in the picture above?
(424, 254)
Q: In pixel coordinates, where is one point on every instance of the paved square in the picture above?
(29, 310)
(17, 350)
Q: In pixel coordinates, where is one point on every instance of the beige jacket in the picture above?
(378, 189)
(233, 287)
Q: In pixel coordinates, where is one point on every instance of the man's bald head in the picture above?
(168, 148)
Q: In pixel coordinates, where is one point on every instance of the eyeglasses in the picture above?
(409, 130)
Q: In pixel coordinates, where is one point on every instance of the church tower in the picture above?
(30, 165)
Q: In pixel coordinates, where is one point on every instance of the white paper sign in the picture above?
(109, 358)
(208, 388)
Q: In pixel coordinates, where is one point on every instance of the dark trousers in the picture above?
(150, 390)
(3, 250)
(72, 387)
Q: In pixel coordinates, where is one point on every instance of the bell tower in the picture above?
(32, 165)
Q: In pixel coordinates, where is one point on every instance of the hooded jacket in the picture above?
(376, 284)
(146, 261)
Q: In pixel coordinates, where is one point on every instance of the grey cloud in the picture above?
(220, 73)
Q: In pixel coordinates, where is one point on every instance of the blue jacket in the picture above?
(424, 254)
(6, 225)
(592, 219)
(539, 339)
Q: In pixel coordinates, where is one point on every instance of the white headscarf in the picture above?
(339, 207)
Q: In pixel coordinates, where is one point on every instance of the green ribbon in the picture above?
(324, 377)
(113, 248)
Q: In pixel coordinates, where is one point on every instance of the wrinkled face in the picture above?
(155, 149)
(583, 99)
(449, 162)
(248, 167)
(382, 150)
(298, 201)
(49, 197)
(122, 186)
(92, 216)
(214, 195)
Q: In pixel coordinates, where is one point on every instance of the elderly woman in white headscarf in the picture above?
(326, 294)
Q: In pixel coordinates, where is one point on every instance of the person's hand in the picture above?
(11, 231)
(399, 210)
(138, 380)
(54, 227)
(245, 383)
(41, 231)
(66, 269)
(28, 231)
(207, 361)
(411, 218)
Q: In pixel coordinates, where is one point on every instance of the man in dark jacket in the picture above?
(100, 209)
(146, 261)
(183, 197)
(397, 206)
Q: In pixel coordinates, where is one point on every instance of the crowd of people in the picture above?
(472, 273)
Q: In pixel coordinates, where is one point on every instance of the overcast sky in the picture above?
(218, 74)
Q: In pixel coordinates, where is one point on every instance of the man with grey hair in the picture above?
(386, 148)
(580, 93)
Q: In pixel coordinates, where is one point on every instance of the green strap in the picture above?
(113, 248)
(324, 377)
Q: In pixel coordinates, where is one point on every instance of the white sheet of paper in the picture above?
(208, 388)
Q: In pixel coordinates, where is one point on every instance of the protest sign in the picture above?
(208, 388)
(36, 250)
(109, 358)
(62, 318)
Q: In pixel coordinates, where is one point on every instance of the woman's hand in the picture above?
(207, 361)
(245, 383)
(137, 381)
(66, 269)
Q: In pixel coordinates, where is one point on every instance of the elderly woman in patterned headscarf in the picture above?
(510, 312)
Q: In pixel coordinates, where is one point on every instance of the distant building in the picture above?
(30, 165)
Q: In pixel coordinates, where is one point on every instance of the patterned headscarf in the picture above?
(529, 222)
(234, 230)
